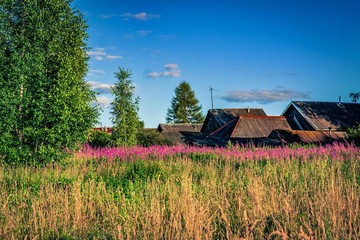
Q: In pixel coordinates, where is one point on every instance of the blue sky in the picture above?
(260, 54)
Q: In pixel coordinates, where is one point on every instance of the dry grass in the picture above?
(183, 198)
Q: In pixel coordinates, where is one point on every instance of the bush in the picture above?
(150, 137)
(354, 135)
(99, 138)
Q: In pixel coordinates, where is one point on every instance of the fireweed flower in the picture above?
(337, 151)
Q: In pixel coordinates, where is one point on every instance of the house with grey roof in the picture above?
(312, 115)
(177, 133)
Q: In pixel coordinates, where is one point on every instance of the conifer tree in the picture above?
(124, 110)
(185, 108)
(44, 100)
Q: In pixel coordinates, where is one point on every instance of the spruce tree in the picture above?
(185, 108)
(44, 100)
(124, 110)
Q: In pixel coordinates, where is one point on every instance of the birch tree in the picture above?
(44, 100)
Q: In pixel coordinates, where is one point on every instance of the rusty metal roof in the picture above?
(252, 127)
(302, 136)
(323, 115)
(217, 118)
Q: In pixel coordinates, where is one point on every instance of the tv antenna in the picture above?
(211, 92)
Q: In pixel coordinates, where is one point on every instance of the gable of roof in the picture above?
(325, 115)
(252, 127)
(217, 118)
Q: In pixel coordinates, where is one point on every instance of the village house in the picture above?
(318, 122)
(322, 116)
(301, 122)
(217, 118)
(178, 133)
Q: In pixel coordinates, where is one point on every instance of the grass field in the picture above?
(186, 193)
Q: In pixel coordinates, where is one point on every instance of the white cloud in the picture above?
(170, 70)
(172, 73)
(102, 101)
(96, 72)
(100, 87)
(99, 54)
(171, 66)
(142, 16)
(108, 16)
(265, 96)
(111, 57)
(154, 74)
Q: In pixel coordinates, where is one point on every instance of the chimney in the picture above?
(339, 99)
(248, 110)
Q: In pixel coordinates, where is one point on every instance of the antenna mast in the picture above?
(212, 101)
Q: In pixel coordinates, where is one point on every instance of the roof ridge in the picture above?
(257, 116)
(180, 123)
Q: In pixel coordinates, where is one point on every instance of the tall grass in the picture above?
(186, 193)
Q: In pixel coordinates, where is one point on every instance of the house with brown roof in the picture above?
(217, 118)
(318, 122)
(301, 122)
(251, 127)
(177, 133)
(312, 115)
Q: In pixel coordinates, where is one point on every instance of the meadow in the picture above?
(302, 192)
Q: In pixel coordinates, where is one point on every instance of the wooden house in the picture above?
(322, 116)
(179, 132)
(251, 127)
(217, 118)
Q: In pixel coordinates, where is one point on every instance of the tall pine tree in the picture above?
(124, 110)
(185, 108)
(44, 100)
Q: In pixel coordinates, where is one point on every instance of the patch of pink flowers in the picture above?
(336, 151)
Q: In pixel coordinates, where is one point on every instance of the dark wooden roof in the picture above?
(217, 118)
(251, 127)
(177, 132)
(176, 127)
(301, 136)
(322, 115)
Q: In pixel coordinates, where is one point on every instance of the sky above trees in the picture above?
(254, 53)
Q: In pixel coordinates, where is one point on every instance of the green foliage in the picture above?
(99, 138)
(124, 110)
(354, 97)
(150, 137)
(185, 108)
(354, 135)
(44, 101)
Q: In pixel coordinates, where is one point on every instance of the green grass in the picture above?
(183, 197)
